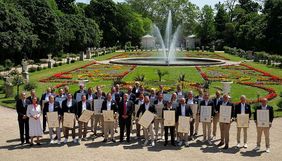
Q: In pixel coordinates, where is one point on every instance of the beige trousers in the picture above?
(215, 123)
(109, 128)
(224, 132)
(206, 130)
(265, 130)
(245, 131)
(149, 133)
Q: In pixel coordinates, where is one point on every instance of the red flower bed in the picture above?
(203, 74)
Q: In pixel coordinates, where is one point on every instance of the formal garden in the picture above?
(253, 79)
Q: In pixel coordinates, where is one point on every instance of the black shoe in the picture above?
(27, 142)
(121, 141)
(113, 140)
(38, 143)
(220, 144)
(30, 145)
(105, 140)
(55, 138)
(165, 144)
(195, 134)
(173, 144)
(116, 131)
(225, 147)
(128, 140)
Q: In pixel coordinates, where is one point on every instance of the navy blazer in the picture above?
(142, 109)
(72, 109)
(57, 108)
(188, 111)
(216, 107)
(21, 108)
(79, 108)
(247, 110)
(129, 108)
(113, 106)
(271, 112)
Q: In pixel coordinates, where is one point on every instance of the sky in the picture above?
(199, 3)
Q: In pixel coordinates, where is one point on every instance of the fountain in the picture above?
(167, 53)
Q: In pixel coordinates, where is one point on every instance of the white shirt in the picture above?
(147, 106)
(190, 101)
(160, 102)
(179, 93)
(47, 96)
(140, 102)
(114, 96)
(90, 97)
(83, 105)
(200, 98)
(264, 107)
(206, 102)
(224, 103)
(109, 103)
(243, 108)
(69, 103)
(183, 110)
(51, 107)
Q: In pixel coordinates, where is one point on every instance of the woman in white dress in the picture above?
(34, 113)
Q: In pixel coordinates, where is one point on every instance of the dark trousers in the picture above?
(192, 128)
(24, 129)
(44, 124)
(172, 133)
(125, 123)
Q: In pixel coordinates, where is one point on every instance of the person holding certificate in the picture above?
(98, 118)
(125, 108)
(215, 120)
(80, 92)
(82, 106)
(265, 130)
(199, 98)
(23, 120)
(138, 102)
(183, 110)
(33, 112)
(69, 106)
(242, 108)
(43, 100)
(207, 125)
(190, 102)
(159, 121)
(109, 105)
(225, 127)
(90, 98)
(53, 106)
(171, 129)
(147, 131)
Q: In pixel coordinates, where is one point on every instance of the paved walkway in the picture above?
(88, 150)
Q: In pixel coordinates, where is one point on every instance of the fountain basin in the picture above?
(158, 61)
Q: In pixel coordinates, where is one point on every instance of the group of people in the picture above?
(126, 114)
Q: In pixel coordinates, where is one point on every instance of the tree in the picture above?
(161, 74)
(67, 6)
(45, 26)
(221, 19)
(16, 35)
(206, 28)
(273, 32)
(78, 33)
(183, 12)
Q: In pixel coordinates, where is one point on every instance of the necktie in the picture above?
(124, 108)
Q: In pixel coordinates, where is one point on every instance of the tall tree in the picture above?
(221, 19)
(206, 28)
(273, 31)
(66, 6)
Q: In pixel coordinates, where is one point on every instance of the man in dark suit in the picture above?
(215, 120)
(109, 105)
(52, 106)
(43, 100)
(225, 127)
(207, 125)
(125, 112)
(131, 95)
(69, 106)
(80, 92)
(32, 95)
(242, 108)
(171, 129)
(264, 130)
(138, 102)
(199, 98)
(21, 106)
(82, 106)
(147, 131)
(183, 110)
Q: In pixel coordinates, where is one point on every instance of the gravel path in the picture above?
(88, 150)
